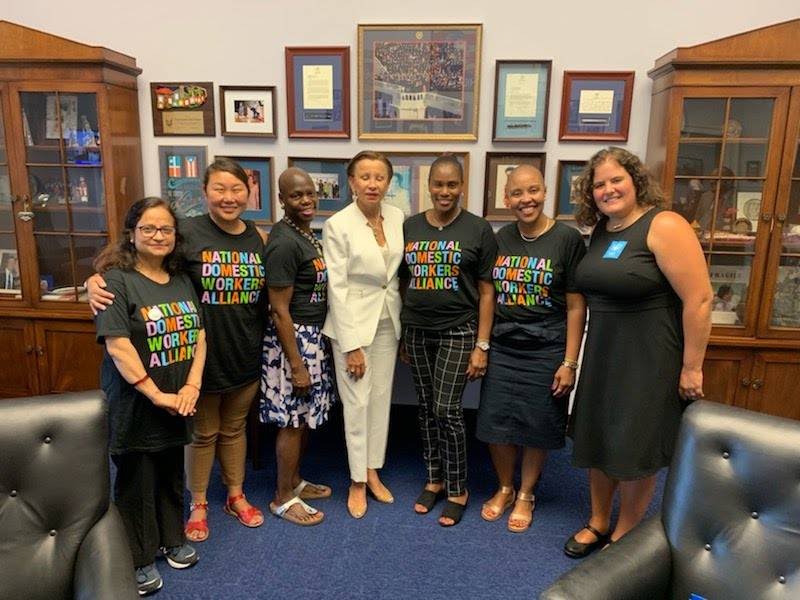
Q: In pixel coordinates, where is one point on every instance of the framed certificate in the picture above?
(498, 166)
(521, 93)
(330, 178)
(596, 106)
(318, 92)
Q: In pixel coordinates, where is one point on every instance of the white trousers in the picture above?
(366, 402)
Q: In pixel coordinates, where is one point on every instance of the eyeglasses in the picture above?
(150, 230)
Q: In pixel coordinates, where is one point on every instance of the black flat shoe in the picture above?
(428, 500)
(454, 511)
(575, 549)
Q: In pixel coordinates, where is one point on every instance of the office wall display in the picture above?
(183, 108)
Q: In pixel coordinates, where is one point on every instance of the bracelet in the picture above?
(192, 385)
(142, 380)
(570, 364)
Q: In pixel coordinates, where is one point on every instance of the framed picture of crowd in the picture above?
(330, 178)
(259, 179)
(498, 166)
(418, 82)
(408, 189)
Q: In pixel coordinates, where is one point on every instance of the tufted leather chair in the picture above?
(730, 522)
(59, 535)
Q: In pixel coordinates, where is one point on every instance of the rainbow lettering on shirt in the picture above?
(231, 277)
(320, 292)
(171, 332)
(433, 265)
(523, 280)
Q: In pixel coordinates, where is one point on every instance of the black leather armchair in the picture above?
(730, 522)
(59, 535)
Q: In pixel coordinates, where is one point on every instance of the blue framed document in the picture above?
(521, 98)
(330, 178)
(596, 106)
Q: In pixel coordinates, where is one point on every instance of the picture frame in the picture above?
(498, 166)
(596, 105)
(183, 108)
(181, 169)
(330, 178)
(408, 189)
(568, 170)
(260, 203)
(10, 282)
(318, 91)
(248, 111)
(399, 101)
(521, 100)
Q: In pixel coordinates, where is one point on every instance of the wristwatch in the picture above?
(482, 345)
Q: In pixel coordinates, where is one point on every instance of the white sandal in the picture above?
(299, 491)
(282, 512)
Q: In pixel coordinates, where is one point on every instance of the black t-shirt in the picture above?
(531, 279)
(228, 274)
(293, 261)
(443, 269)
(162, 322)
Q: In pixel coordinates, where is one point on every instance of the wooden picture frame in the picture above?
(596, 105)
(183, 108)
(330, 178)
(498, 165)
(521, 100)
(408, 189)
(399, 101)
(318, 91)
(248, 111)
(182, 169)
(261, 201)
(567, 171)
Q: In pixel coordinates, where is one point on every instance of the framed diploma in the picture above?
(247, 110)
(408, 189)
(568, 172)
(318, 92)
(498, 166)
(183, 108)
(596, 106)
(418, 82)
(259, 180)
(330, 178)
(182, 169)
(521, 94)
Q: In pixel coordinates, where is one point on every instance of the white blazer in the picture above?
(359, 281)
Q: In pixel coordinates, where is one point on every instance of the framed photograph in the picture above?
(260, 178)
(408, 189)
(9, 273)
(182, 170)
(748, 206)
(418, 82)
(318, 92)
(247, 110)
(521, 97)
(596, 105)
(183, 108)
(568, 171)
(498, 166)
(330, 178)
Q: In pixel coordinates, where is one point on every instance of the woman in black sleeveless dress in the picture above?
(646, 284)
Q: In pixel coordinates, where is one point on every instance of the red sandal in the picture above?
(199, 525)
(249, 517)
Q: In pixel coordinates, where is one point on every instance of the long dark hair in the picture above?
(122, 253)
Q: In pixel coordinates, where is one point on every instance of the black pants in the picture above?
(148, 492)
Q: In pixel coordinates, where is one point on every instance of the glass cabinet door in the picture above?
(64, 166)
(10, 280)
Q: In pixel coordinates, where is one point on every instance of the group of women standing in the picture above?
(508, 308)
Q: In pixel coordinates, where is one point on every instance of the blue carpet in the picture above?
(392, 552)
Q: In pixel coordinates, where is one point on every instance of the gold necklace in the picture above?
(548, 224)
(441, 225)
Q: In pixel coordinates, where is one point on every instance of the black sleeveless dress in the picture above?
(627, 410)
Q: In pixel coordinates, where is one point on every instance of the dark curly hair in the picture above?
(648, 192)
(122, 253)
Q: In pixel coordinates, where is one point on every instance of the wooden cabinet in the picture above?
(724, 140)
(70, 166)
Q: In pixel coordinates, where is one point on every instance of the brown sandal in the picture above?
(518, 523)
(492, 512)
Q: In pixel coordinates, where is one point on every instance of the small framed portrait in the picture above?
(248, 110)
(182, 169)
(9, 273)
(318, 92)
(418, 82)
(259, 180)
(183, 108)
(596, 105)
(408, 189)
(568, 172)
(330, 178)
(498, 166)
(521, 97)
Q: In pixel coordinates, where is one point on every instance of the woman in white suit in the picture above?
(363, 246)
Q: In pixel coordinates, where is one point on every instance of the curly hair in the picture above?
(122, 253)
(648, 192)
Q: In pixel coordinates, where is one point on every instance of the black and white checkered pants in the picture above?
(439, 361)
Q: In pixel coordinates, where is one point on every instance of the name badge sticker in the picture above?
(615, 248)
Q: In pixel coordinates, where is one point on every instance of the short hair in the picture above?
(444, 160)
(648, 192)
(122, 253)
(369, 155)
(724, 289)
(223, 164)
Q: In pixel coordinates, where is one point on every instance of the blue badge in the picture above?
(696, 597)
(615, 249)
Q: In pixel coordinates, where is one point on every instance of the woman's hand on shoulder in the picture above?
(99, 297)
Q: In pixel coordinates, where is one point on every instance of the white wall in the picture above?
(241, 42)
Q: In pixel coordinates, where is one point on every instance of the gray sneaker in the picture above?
(148, 579)
(180, 557)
